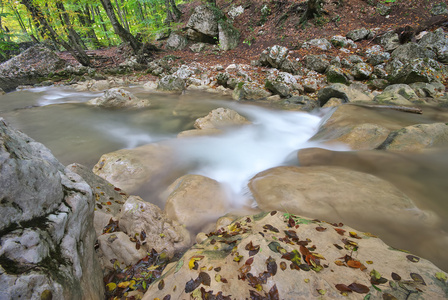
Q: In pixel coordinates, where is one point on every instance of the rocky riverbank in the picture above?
(51, 214)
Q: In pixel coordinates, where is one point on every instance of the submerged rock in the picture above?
(119, 98)
(417, 137)
(130, 169)
(285, 256)
(47, 244)
(221, 118)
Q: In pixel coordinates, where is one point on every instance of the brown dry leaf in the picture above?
(359, 288)
(320, 228)
(283, 265)
(339, 231)
(413, 258)
(354, 264)
(343, 288)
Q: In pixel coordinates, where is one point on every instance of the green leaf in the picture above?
(441, 276)
(179, 265)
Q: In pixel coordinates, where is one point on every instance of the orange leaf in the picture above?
(354, 264)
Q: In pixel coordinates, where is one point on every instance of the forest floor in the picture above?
(282, 27)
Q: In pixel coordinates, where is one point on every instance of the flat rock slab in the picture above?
(282, 256)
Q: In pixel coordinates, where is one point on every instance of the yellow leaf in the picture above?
(124, 284)
(322, 292)
(193, 259)
(259, 287)
(132, 284)
(318, 255)
(218, 278)
(369, 262)
(111, 286)
(306, 280)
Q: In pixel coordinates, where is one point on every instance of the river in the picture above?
(59, 118)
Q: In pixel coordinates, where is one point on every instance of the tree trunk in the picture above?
(97, 10)
(313, 9)
(125, 35)
(73, 36)
(37, 16)
(86, 21)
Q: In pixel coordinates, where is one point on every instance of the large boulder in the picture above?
(398, 94)
(437, 42)
(285, 256)
(228, 35)
(376, 55)
(359, 127)
(318, 63)
(108, 198)
(419, 70)
(390, 41)
(176, 42)
(358, 34)
(47, 244)
(221, 118)
(342, 91)
(277, 57)
(29, 67)
(322, 44)
(203, 24)
(249, 91)
(141, 227)
(195, 200)
(130, 169)
(336, 75)
(341, 195)
(417, 137)
(171, 83)
(119, 98)
(411, 51)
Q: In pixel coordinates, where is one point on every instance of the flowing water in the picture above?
(75, 132)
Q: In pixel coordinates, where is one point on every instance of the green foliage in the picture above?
(145, 17)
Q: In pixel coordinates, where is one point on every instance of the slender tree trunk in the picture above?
(313, 9)
(73, 36)
(177, 13)
(125, 35)
(97, 9)
(86, 21)
(37, 15)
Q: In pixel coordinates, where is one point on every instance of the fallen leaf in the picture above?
(396, 277)
(271, 228)
(253, 249)
(274, 246)
(441, 276)
(354, 264)
(417, 278)
(354, 235)
(283, 265)
(387, 296)
(320, 229)
(339, 231)
(111, 286)
(192, 263)
(413, 258)
(191, 285)
(161, 284)
(322, 291)
(273, 293)
(359, 288)
(339, 263)
(271, 266)
(204, 278)
(343, 288)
